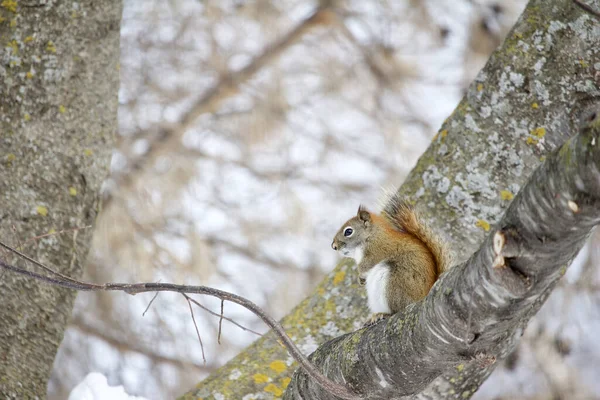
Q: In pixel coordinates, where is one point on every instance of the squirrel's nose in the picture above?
(334, 246)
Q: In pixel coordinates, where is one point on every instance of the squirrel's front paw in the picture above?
(375, 318)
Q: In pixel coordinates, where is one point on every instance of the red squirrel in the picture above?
(399, 258)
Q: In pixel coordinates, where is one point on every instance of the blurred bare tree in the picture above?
(248, 130)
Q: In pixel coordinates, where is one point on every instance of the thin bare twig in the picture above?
(37, 263)
(149, 304)
(33, 239)
(58, 279)
(208, 310)
(220, 321)
(195, 326)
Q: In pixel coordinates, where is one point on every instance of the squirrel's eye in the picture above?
(348, 232)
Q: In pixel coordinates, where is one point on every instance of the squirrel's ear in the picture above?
(363, 214)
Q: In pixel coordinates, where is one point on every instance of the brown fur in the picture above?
(412, 267)
(405, 218)
(416, 257)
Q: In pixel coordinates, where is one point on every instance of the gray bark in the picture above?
(477, 311)
(58, 103)
(521, 107)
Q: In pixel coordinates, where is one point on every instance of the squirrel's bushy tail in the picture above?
(405, 218)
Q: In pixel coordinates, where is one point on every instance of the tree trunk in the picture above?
(477, 312)
(523, 105)
(58, 107)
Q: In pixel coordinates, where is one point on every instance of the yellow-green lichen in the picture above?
(563, 270)
(13, 46)
(539, 132)
(339, 277)
(10, 5)
(42, 210)
(460, 367)
(50, 47)
(506, 195)
(72, 191)
(10, 157)
(350, 345)
(272, 388)
(260, 378)
(278, 366)
(285, 382)
(565, 152)
(483, 224)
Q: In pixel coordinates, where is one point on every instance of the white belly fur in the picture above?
(359, 253)
(377, 281)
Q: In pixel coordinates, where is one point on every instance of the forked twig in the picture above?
(37, 263)
(211, 312)
(58, 279)
(33, 239)
(195, 326)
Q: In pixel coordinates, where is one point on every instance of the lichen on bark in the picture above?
(58, 104)
(520, 107)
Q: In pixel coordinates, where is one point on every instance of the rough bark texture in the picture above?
(477, 312)
(522, 106)
(58, 106)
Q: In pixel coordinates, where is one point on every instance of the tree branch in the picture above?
(57, 279)
(476, 313)
(473, 315)
(520, 108)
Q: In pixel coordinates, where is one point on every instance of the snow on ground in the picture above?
(95, 387)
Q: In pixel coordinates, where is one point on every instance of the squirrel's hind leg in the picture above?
(375, 318)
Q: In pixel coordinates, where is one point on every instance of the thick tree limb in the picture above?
(473, 315)
(521, 107)
(478, 310)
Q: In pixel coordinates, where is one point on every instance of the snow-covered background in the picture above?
(250, 196)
